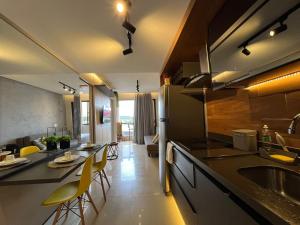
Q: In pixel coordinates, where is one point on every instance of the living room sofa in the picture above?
(152, 148)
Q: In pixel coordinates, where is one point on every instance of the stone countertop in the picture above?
(224, 169)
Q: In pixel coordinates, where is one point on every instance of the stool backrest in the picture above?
(101, 164)
(104, 156)
(86, 176)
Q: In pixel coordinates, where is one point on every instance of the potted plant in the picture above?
(64, 141)
(51, 142)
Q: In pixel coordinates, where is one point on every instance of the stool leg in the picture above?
(92, 202)
(68, 206)
(103, 190)
(81, 210)
(58, 211)
(106, 177)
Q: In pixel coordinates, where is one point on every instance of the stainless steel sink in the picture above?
(284, 182)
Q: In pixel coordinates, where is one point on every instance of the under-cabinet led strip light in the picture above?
(274, 79)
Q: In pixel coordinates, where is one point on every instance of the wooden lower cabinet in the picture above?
(215, 207)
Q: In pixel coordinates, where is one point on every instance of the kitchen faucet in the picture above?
(293, 125)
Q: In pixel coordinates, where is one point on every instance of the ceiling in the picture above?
(227, 61)
(22, 60)
(89, 37)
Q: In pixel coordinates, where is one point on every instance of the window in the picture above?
(126, 111)
(126, 118)
(85, 113)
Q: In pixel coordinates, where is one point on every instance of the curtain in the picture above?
(144, 117)
(76, 118)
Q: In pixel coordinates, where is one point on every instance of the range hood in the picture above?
(186, 70)
(198, 81)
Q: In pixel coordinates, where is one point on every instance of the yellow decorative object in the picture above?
(28, 150)
(167, 81)
(283, 158)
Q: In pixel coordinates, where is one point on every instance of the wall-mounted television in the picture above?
(105, 114)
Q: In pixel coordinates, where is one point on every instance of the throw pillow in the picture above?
(39, 144)
(156, 138)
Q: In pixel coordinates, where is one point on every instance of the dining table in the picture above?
(37, 170)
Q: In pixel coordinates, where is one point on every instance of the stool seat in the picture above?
(62, 194)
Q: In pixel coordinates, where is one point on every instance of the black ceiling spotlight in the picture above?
(277, 30)
(137, 86)
(245, 51)
(128, 50)
(128, 26)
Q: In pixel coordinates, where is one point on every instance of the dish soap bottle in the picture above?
(266, 138)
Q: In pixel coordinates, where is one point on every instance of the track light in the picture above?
(128, 26)
(137, 86)
(128, 50)
(245, 51)
(68, 88)
(277, 30)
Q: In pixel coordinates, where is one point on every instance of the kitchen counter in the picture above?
(223, 166)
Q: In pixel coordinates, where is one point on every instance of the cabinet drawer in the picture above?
(188, 190)
(189, 216)
(215, 207)
(185, 166)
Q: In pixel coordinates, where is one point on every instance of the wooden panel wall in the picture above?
(103, 132)
(230, 109)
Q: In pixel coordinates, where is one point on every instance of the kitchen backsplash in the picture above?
(231, 109)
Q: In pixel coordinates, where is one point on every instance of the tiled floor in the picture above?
(135, 196)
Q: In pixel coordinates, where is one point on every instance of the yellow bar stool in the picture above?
(98, 168)
(65, 195)
(28, 150)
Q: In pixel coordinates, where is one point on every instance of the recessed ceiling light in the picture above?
(120, 7)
